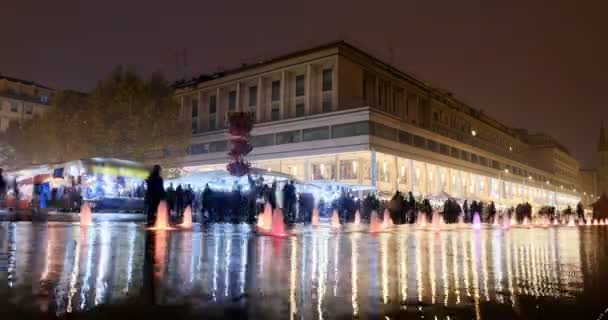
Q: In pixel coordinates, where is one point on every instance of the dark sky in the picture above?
(540, 65)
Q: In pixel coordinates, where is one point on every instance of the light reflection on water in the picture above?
(317, 274)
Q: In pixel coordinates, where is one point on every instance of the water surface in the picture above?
(228, 271)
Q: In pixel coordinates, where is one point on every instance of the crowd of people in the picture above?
(238, 206)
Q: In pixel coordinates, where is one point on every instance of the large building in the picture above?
(602, 163)
(335, 114)
(21, 100)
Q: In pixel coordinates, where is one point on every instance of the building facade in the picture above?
(602, 162)
(21, 100)
(337, 114)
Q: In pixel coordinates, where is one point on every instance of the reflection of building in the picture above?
(20, 100)
(336, 113)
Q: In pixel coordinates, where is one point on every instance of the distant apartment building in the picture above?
(21, 100)
(335, 113)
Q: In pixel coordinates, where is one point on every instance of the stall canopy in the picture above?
(441, 196)
(223, 180)
(600, 208)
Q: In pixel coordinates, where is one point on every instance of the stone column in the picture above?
(237, 106)
(374, 169)
(412, 176)
(307, 170)
(259, 109)
(283, 105)
(397, 173)
(308, 102)
(336, 168)
(219, 110)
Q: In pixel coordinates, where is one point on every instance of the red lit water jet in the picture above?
(335, 220)
(374, 222)
(436, 220)
(187, 222)
(387, 221)
(265, 218)
(162, 217)
(315, 217)
(278, 225)
(85, 215)
(421, 221)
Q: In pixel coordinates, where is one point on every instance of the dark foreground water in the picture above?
(119, 270)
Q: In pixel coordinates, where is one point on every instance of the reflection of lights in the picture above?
(336, 263)
(102, 264)
(354, 167)
(384, 267)
(228, 262)
(293, 308)
(403, 268)
(444, 268)
(455, 273)
(322, 277)
(354, 257)
(432, 267)
(420, 287)
(75, 269)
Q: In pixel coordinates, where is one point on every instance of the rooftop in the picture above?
(442, 95)
(25, 82)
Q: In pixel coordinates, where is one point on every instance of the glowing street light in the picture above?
(473, 133)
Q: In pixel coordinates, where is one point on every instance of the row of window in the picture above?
(13, 106)
(300, 85)
(368, 128)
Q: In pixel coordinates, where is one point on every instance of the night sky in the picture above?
(540, 65)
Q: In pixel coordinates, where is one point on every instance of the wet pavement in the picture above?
(118, 269)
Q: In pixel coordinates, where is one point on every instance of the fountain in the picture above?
(495, 222)
(187, 222)
(595, 223)
(278, 225)
(476, 221)
(555, 222)
(588, 223)
(162, 217)
(315, 217)
(86, 218)
(513, 219)
(357, 218)
(374, 222)
(602, 222)
(335, 220)
(387, 221)
(421, 219)
(571, 222)
(460, 220)
(606, 221)
(265, 219)
(505, 222)
(526, 221)
(436, 220)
